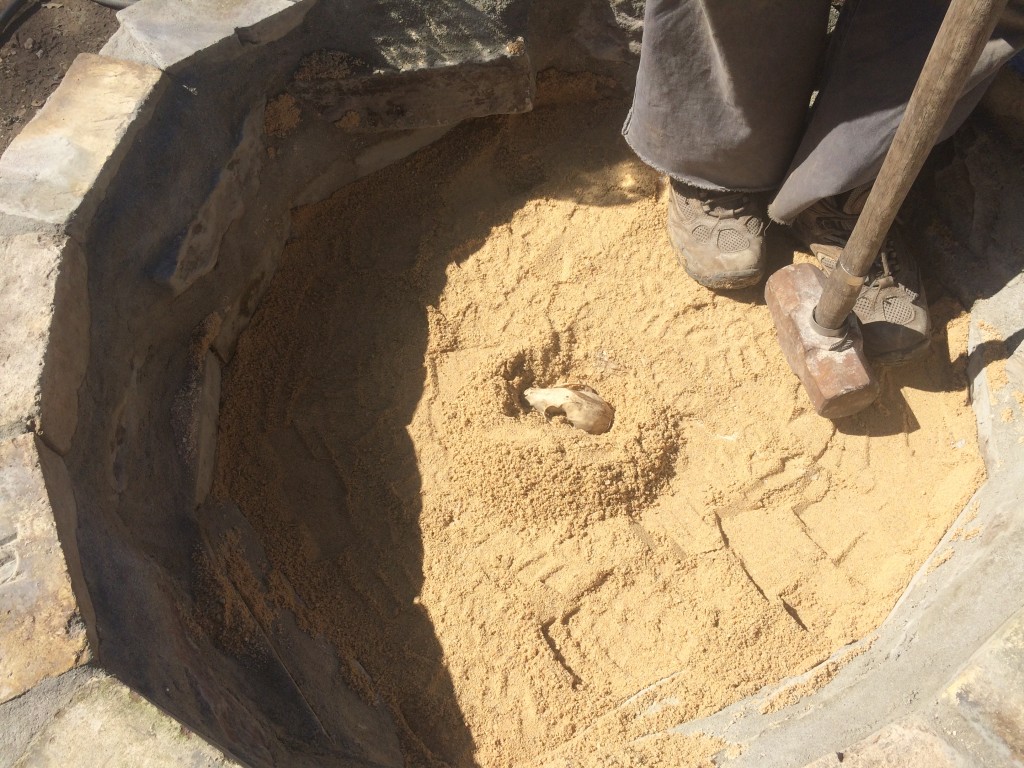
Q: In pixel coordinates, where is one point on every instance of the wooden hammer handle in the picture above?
(966, 28)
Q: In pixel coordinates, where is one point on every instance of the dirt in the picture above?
(520, 592)
(281, 116)
(37, 48)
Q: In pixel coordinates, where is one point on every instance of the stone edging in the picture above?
(84, 273)
(66, 187)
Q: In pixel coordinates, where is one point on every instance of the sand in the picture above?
(520, 592)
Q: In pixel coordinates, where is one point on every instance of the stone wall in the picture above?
(142, 214)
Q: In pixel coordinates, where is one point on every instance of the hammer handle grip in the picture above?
(966, 28)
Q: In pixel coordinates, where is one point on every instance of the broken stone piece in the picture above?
(580, 405)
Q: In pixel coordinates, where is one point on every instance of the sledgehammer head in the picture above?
(833, 370)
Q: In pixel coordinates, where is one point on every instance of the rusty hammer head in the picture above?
(832, 369)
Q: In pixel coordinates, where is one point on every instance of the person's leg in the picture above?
(720, 104)
(877, 54)
(722, 91)
(874, 65)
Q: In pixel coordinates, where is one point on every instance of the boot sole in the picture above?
(901, 356)
(722, 281)
(729, 281)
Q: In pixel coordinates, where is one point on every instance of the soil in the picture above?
(519, 592)
(37, 48)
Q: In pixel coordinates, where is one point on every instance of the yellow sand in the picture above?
(520, 592)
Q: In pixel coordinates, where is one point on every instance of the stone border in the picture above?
(940, 683)
(86, 717)
(52, 178)
(113, 313)
(69, 234)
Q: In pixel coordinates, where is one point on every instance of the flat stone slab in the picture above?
(904, 744)
(344, 91)
(59, 166)
(996, 370)
(199, 250)
(989, 691)
(169, 33)
(41, 633)
(44, 349)
(106, 725)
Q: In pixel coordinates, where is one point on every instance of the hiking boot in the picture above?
(718, 236)
(892, 308)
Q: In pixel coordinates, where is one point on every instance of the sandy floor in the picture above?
(521, 592)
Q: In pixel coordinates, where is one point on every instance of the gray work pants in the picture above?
(722, 92)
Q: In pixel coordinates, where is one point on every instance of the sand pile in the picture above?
(518, 591)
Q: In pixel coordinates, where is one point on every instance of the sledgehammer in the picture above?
(819, 336)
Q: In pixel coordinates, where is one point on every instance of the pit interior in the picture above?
(510, 588)
(317, 521)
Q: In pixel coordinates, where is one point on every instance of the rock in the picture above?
(57, 169)
(44, 350)
(196, 409)
(173, 34)
(989, 691)
(907, 743)
(200, 247)
(359, 100)
(41, 630)
(106, 723)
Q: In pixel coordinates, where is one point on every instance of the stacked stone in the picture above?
(204, 263)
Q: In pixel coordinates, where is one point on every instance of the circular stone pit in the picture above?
(177, 191)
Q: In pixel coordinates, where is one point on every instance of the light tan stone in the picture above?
(989, 691)
(108, 725)
(58, 168)
(170, 33)
(44, 350)
(41, 632)
(906, 743)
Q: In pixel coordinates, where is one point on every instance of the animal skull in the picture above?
(580, 405)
